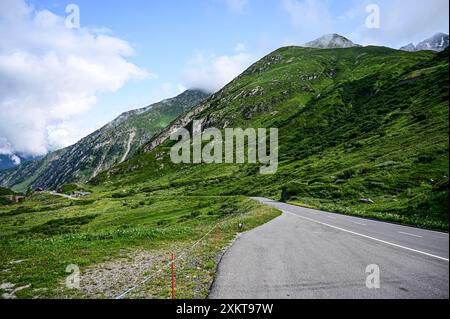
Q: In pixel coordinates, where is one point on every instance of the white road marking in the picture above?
(368, 237)
(359, 224)
(400, 232)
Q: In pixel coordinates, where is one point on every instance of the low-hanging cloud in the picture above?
(402, 21)
(405, 21)
(211, 72)
(49, 74)
(312, 18)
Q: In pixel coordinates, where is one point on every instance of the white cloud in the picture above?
(402, 21)
(312, 18)
(169, 89)
(405, 21)
(181, 88)
(237, 6)
(15, 159)
(210, 72)
(64, 133)
(240, 47)
(6, 149)
(49, 74)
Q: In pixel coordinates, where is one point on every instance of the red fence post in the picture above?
(173, 276)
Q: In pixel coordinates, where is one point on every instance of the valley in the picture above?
(363, 131)
(110, 145)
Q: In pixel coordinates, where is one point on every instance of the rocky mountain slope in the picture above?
(112, 144)
(331, 41)
(437, 42)
(362, 131)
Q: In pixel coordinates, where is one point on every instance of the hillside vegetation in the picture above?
(354, 124)
(6, 196)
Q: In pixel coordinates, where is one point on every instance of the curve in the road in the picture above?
(307, 253)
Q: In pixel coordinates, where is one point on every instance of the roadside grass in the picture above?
(196, 263)
(381, 212)
(37, 251)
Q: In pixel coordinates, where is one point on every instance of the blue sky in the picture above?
(168, 35)
(177, 44)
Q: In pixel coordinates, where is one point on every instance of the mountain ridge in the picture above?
(111, 144)
(438, 42)
(331, 41)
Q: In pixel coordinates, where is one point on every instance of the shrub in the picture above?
(6, 191)
(60, 226)
(347, 174)
(425, 158)
(68, 189)
(5, 200)
(195, 214)
(122, 195)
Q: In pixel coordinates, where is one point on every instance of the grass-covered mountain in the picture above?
(112, 144)
(356, 123)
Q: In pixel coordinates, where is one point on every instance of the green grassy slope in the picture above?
(6, 196)
(353, 123)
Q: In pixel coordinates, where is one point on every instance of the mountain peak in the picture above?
(437, 42)
(331, 41)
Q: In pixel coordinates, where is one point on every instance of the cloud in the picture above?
(405, 21)
(169, 89)
(237, 6)
(312, 18)
(210, 72)
(240, 47)
(402, 21)
(64, 133)
(50, 74)
(6, 149)
(15, 159)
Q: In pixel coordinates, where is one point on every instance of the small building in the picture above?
(19, 198)
(81, 194)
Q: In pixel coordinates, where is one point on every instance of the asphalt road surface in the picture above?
(308, 253)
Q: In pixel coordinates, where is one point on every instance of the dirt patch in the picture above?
(110, 279)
